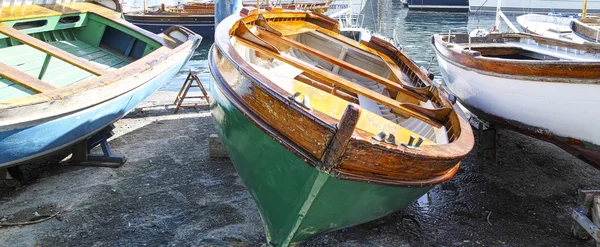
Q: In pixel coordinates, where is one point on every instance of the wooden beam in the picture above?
(49, 49)
(425, 115)
(21, 78)
(343, 64)
(398, 74)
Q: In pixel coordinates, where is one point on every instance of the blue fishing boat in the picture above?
(68, 70)
(439, 5)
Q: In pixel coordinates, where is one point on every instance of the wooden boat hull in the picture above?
(296, 200)
(553, 111)
(21, 144)
(203, 25)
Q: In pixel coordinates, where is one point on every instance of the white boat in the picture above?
(535, 6)
(552, 26)
(338, 5)
(350, 21)
(542, 87)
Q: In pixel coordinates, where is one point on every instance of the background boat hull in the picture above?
(23, 144)
(296, 201)
(561, 113)
(204, 29)
(439, 5)
(535, 6)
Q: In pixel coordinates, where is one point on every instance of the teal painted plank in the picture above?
(13, 91)
(19, 54)
(66, 77)
(24, 54)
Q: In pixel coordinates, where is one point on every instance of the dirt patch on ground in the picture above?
(170, 193)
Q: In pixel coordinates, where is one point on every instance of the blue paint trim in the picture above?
(22, 144)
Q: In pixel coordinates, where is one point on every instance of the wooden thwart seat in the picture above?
(29, 82)
(329, 78)
(434, 117)
(342, 64)
(51, 50)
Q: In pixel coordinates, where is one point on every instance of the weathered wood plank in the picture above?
(50, 49)
(24, 79)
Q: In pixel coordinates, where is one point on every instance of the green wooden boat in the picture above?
(68, 70)
(325, 132)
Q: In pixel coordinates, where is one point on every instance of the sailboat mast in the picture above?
(584, 10)
(498, 10)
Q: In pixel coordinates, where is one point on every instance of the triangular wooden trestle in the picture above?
(192, 80)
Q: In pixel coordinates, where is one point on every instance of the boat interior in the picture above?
(51, 51)
(521, 47)
(326, 72)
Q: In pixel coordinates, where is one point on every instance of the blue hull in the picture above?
(439, 5)
(19, 145)
(206, 30)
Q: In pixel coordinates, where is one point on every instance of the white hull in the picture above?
(535, 6)
(548, 26)
(338, 5)
(563, 109)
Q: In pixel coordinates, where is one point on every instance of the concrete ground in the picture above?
(170, 193)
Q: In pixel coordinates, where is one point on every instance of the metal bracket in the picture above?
(587, 219)
(83, 157)
(487, 140)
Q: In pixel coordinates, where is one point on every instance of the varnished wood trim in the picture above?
(325, 88)
(398, 74)
(440, 161)
(56, 52)
(352, 68)
(330, 78)
(21, 78)
(339, 142)
(535, 70)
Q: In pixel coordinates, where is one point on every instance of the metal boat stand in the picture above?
(487, 139)
(11, 176)
(83, 157)
(189, 83)
(587, 216)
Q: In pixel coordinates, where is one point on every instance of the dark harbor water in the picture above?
(414, 28)
(386, 17)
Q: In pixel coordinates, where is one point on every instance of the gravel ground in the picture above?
(170, 193)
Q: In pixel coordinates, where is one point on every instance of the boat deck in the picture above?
(58, 73)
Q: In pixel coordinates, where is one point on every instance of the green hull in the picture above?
(296, 201)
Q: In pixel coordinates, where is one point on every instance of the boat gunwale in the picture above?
(452, 152)
(168, 49)
(582, 29)
(537, 69)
